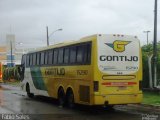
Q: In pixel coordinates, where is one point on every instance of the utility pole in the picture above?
(147, 34)
(11, 54)
(150, 70)
(47, 36)
(155, 46)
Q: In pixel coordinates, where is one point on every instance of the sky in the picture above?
(27, 19)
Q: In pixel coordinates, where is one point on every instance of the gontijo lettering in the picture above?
(118, 58)
(55, 71)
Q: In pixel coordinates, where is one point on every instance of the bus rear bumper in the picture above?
(118, 99)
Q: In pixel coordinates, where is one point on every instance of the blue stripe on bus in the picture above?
(37, 78)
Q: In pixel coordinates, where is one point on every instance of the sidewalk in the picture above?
(13, 87)
(146, 107)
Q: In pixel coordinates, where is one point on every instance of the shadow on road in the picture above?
(90, 112)
(83, 109)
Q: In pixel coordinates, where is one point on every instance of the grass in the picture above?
(151, 98)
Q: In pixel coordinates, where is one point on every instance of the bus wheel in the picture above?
(70, 99)
(61, 97)
(30, 95)
(110, 108)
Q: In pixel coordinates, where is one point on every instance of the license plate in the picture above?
(122, 87)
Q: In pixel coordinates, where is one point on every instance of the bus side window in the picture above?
(72, 58)
(66, 55)
(55, 56)
(23, 62)
(50, 57)
(46, 58)
(27, 62)
(31, 59)
(42, 58)
(87, 53)
(38, 59)
(60, 56)
(80, 54)
(34, 58)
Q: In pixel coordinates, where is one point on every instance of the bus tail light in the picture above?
(140, 85)
(96, 86)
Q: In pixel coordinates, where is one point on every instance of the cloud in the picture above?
(78, 18)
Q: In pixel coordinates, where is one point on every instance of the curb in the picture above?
(14, 87)
(145, 107)
(153, 106)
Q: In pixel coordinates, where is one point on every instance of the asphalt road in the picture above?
(15, 105)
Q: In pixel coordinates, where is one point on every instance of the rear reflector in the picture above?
(119, 83)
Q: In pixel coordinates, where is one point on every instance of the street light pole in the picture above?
(51, 34)
(11, 53)
(147, 34)
(47, 36)
(155, 46)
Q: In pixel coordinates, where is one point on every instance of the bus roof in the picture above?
(71, 42)
(65, 43)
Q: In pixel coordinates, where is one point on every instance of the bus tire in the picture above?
(110, 108)
(70, 99)
(61, 97)
(30, 95)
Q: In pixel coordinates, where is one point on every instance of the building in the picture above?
(9, 54)
(3, 56)
(10, 43)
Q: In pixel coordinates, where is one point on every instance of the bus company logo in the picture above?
(118, 46)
